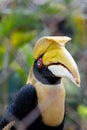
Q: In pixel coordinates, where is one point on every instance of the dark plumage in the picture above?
(24, 103)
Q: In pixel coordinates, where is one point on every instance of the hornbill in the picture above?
(40, 104)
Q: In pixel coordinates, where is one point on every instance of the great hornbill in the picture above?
(40, 104)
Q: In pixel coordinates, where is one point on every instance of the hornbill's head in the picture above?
(53, 61)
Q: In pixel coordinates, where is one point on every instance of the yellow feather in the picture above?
(9, 126)
(51, 101)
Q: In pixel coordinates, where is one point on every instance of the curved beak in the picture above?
(61, 71)
(58, 60)
(62, 64)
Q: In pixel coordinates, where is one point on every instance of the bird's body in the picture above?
(40, 104)
(27, 97)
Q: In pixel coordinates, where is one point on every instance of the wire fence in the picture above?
(8, 68)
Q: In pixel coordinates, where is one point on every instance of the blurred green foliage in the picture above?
(18, 21)
(19, 31)
(52, 8)
(82, 110)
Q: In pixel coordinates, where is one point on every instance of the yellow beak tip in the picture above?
(78, 82)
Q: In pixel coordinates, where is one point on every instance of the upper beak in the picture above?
(58, 59)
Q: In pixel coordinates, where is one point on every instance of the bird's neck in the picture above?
(51, 101)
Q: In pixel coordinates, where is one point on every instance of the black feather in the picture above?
(25, 102)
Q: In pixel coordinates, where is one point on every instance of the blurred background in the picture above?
(22, 23)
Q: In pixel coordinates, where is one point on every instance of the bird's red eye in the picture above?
(40, 63)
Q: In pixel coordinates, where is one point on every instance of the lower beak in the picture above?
(61, 71)
(62, 64)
